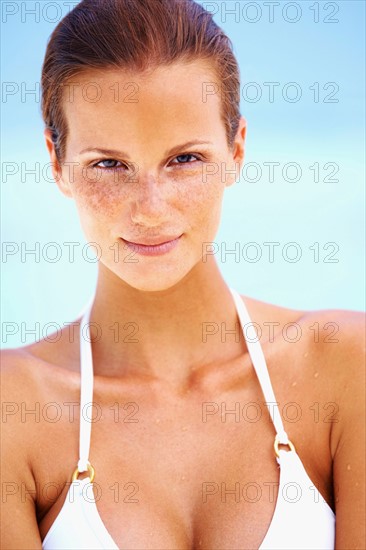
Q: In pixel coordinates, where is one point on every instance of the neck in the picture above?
(164, 334)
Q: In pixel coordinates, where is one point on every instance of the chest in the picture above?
(197, 475)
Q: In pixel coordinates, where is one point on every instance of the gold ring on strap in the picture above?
(90, 470)
(276, 443)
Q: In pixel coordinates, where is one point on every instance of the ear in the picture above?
(63, 183)
(238, 149)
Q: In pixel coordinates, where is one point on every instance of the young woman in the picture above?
(158, 420)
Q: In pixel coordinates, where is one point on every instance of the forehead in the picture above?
(181, 96)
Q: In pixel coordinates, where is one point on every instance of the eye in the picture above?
(184, 159)
(110, 164)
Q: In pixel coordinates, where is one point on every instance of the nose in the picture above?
(149, 206)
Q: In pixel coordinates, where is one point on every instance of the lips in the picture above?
(154, 242)
(153, 247)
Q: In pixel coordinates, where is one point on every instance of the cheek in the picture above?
(98, 206)
(99, 195)
(204, 206)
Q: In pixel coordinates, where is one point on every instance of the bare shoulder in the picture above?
(326, 346)
(33, 392)
(337, 333)
(329, 356)
(26, 369)
(343, 360)
(32, 379)
(34, 384)
(23, 383)
(339, 344)
(34, 375)
(339, 336)
(18, 375)
(335, 353)
(35, 365)
(18, 384)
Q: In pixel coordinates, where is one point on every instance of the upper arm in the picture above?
(19, 527)
(348, 435)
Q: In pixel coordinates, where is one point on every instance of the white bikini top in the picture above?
(301, 522)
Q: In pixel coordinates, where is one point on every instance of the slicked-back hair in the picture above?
(135, 35)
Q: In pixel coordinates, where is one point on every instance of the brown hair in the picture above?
(135, 35)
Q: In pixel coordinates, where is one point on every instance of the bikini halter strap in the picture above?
(86, 390)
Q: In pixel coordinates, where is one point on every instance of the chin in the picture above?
(152, 279)
(153, 286)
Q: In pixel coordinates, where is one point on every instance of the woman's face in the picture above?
(162, 173)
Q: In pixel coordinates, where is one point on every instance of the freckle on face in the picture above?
(170, 111)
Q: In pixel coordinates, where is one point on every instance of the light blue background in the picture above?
(303, 132)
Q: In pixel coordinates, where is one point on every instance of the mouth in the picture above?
(153, 247)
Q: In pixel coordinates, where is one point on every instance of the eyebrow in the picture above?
(115, 152)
